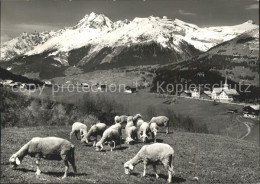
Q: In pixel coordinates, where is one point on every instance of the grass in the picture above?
(211, 158)
(216, 118)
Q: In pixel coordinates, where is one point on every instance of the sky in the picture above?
(19, 16)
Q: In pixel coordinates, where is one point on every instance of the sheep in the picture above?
(154, 130)
(130, 122)
(121, 119)
(144, 131)
(78, 127)
(138, 120)
(131, 131)
(161, 121)
(112, 135)
(154, 154)
(49, 148)
(95, 131)
(131, 135)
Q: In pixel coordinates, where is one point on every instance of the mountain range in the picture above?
(96, 42)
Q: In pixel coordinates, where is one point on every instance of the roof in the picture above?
(207, 93)
(227, 91)
(255, 107)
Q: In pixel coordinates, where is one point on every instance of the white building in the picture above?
(224, 93)
(195, 93)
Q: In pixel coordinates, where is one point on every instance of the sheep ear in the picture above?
(17, 161)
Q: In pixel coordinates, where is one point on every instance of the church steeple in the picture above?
(225, 85)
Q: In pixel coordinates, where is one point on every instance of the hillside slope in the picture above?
(213, 159)
(238, 58)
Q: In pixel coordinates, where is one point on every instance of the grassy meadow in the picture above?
(215, 118)
(211, 158)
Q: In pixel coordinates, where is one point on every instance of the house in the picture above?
(251, 111)
(130, 89)
(224, 94)
(205, 95)
(195, 93)
(47, 83)
(7, 82)
(185, 93)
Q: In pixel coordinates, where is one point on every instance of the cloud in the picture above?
(253, 7)
(36, 27)
(182, 12)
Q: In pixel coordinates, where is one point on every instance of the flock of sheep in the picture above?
(54, 148)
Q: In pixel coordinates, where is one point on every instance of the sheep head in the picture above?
(129, 140)
(128, 167)
(144, 137)
(84, 140)
(117, 119)
(14, 161)
(99, 146)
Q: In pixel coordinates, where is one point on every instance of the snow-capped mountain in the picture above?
(238, 57)
(97, 42)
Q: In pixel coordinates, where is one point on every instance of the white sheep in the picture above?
(144, 131)
(138, 120)
(111, 135)
(121, 119)
(131, 134)
(130, 122)
(161, 121)
(154, 130)
(49, 148)
(95, 131)
(154, 154)
(78, 127)
(131, 131)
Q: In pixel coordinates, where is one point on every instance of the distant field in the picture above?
(213, 159)
(215, 117)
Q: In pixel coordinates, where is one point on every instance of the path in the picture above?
(247, 125)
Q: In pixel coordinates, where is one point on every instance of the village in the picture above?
(223, 94)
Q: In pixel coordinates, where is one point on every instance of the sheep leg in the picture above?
(38, 171)
(144, 173)
(111, 148)
(66, 169)
(166, 164)
(169, 177)
(167, 130)
(72, 161)
(71, 133)
(154, 168)
(94, 143)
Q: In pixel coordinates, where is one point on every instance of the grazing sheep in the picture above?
(49, 148)
(131, 131)
(112, 135)
(130, 122)
(78, 127)
(154, 154)
(144, 131)
(95, 131)
(131, 134)
(121, 119)
(161, 121)
(138, 120)
(154, 130)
